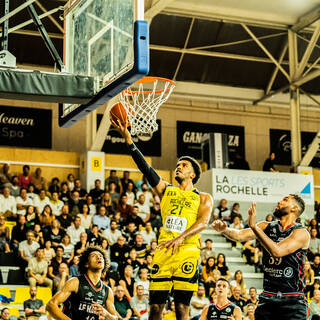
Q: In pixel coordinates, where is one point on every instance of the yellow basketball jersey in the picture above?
(179, 211)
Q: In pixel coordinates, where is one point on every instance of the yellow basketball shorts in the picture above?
(178, 270)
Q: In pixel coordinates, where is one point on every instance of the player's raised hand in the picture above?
(123, 129)
(252, 212)
(219, 225)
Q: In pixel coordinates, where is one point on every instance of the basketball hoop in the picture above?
(142, 101)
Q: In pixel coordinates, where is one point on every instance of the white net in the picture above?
(142, 104)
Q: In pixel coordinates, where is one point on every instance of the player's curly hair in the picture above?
(195, 165)
(84, 259)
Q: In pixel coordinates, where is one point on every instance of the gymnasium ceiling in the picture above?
(201, 41)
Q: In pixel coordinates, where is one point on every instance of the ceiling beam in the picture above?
(53, 20)
(156, 8)
(16, 10)
(36, 33)
(307, 20)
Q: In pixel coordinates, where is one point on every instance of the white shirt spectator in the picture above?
(141, 306)
(29, 250)
(93, 209)
(8, 204)
(67, 250)
(194, 311)
(145, 285)
(148, 236)
(143, 210)
(130, 198)
(32, 196)
(75, 233)
(56, 207)
(111, 236)
(27, 202)
(224, 214)
(148, 196)
(40, 204)
(238, 226)
(85, 222)
(314, 245)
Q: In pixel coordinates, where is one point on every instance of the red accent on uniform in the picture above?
(92, 285)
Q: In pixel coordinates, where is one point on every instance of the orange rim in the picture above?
(149, 80)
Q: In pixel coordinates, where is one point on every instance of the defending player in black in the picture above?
(223, 309)
(285, 245)
(85, 297)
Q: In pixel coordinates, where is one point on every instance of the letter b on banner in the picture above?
(96, 163)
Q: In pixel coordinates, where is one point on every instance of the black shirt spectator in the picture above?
(316, 265)
(54, 186)
(134, 218)
(64, 192)
(96, 193)
(75, 204)
(269, 163)
(239, 163)
(19, 231)
(119, 252)
(77, 187)
(32, 305)
(130, 233)
(125, 181)
(65, 219)
(56, 261)
(113, 178)
(237, 299)
(94, 237)
(122, 304)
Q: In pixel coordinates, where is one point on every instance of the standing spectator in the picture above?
(75, 204)
(131, 196)
(124, 208)
(197, 303)
(5, 176)
(239, 163)
(316, 265)
(41, 201)
(114, 195)
(101, 220)
(8, 205)
(27, 248)
(140, 304)
(207, 276)
(56, 204)
(19, 233)
(207, 252)
(4, 235)
(25, 179)
(65, 219)
(68, 248)
(37, 270)
(82, 245)
(33, 307)
(86, 218)
(128, 283)
(122, 304)
(92, 207)
(221, 212)
(314, 246)
(75, 230)
(148, 234)
(125, 181)
(61, 278)
(23, 202)
(53, 269)
(113, 233)
(39, 181)
(143, 208)
(70, 182)
(64, 192)
(119, 252)
(237, 299)
(113, 178)
(14, 188)
(96, 193)
(77, 187)
(269, 163)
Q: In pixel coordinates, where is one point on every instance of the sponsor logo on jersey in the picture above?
(228, 309)
(187, 267)
(288, 272)
(154, 269)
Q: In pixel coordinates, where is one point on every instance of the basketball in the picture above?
(118, 112)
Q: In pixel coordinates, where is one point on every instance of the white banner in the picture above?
(267, 187)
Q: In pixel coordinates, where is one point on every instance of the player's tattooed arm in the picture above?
(60, 297)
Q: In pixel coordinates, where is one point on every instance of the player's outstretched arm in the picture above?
(298, 239)
(153, 178)
(60, 297)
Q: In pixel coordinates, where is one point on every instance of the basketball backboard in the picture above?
(107, 40)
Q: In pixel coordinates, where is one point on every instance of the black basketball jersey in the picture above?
(220, 313)
(285, 274)
(78, 305)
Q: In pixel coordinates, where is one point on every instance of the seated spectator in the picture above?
(38, 235)
(54, 186)
(222, 212)
(314, 246)
(147, 194)
(313, 225)
(82, 192)
(31, 194)
(101, 220)
(309, 274)
(4, 235)
(70, 182)
(122, 304)
(64, 192)
(28, 248)
(270, 217)
(92, 207)
(198, 302)
(143, 280)
(134, 262)
(239, 163)
(237, 299)
(53, 269)
(48, 252)
(41, 201)
(253, 297)
(207, 252)
(128, 283)
(68, 248)
(314, 305)
(249, 313)
(8, 206)
(33, 307)
(5, 176)
(169, 313)
(94, 236)
(25, 179)
(107, 202)
(153, 247)
(124, 181)
(38, 180)
(86, 218)
(19, 233)
(143, 208)
(56, 204)
(46, 217)
(124, 208)
(119, 252)
(269, 163)
(140, 304)
(37, 270)
(235, 212)
(23, 202)
(55, 233)
(14, 188)
(75, 204)
(135, 218)
(140, 247)
(113, 178)
(222, 267)
(96, 193)
(113, 233)
(147, 234)
(74, 269)
(82, 244)
(131, 195)
(61, 278)
(130, 233)
(251, 252)
(148, 263)
(31, 217)
(316, 265)
(238, 281)
(75, 230)
(65, 219)
(207, 276)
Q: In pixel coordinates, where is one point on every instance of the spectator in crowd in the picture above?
(56, 204)
(77, 187)
(269, 163)
(14, 188)
(221, 212)
(236, 224)
(68, 248)
(75, 230)
(39, 181)
(238, 282)
(136, 264)
(124, 208)
(134, 218)
(96, 193)
(113, 233)
(101, 220)
(65, 219)
(94, 236)
(113, 178)
(314, 306)
(207, 252)
(48, 252)
(139, 183)
(114, 195)
(309, 275)
(19, 233)
(61, 278)
(155, 215)
(125, 181)
(198, 302)
(140, 304)
(38, 234)
(70, 182)
(153, 247)
(55, 233)
(74, 269)
(269, 217)
(251, 252)
(25, 179)
(237, 299)
(31, 217)
(64, 192)
(122, 304)
(250, 309)
(143, 208)
(8, 206)
(253, 296)
(46, 217)
(147, 194)
(107, 202)
(207, 276)
(5, 176)
(316, 265)
(33, 307)
(239, 163)
(23, 202)
(313, 225)
(28, 248)
(222, 267)
(143, 280)
(140, 247)
(4, 235)
(41, 201)
(75, 204)
(86, 218)
(130, 233)
(82, 244)
(314, 246)
(31, 194)
(235, 212)
(53, 269)
(147, 234)
(119, 252)
(54, 186)
(92, 207)
(128, 283)
(131, 196)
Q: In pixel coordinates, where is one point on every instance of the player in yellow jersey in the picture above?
(185, 213)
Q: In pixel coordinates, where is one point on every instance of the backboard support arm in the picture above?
(5, 25)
